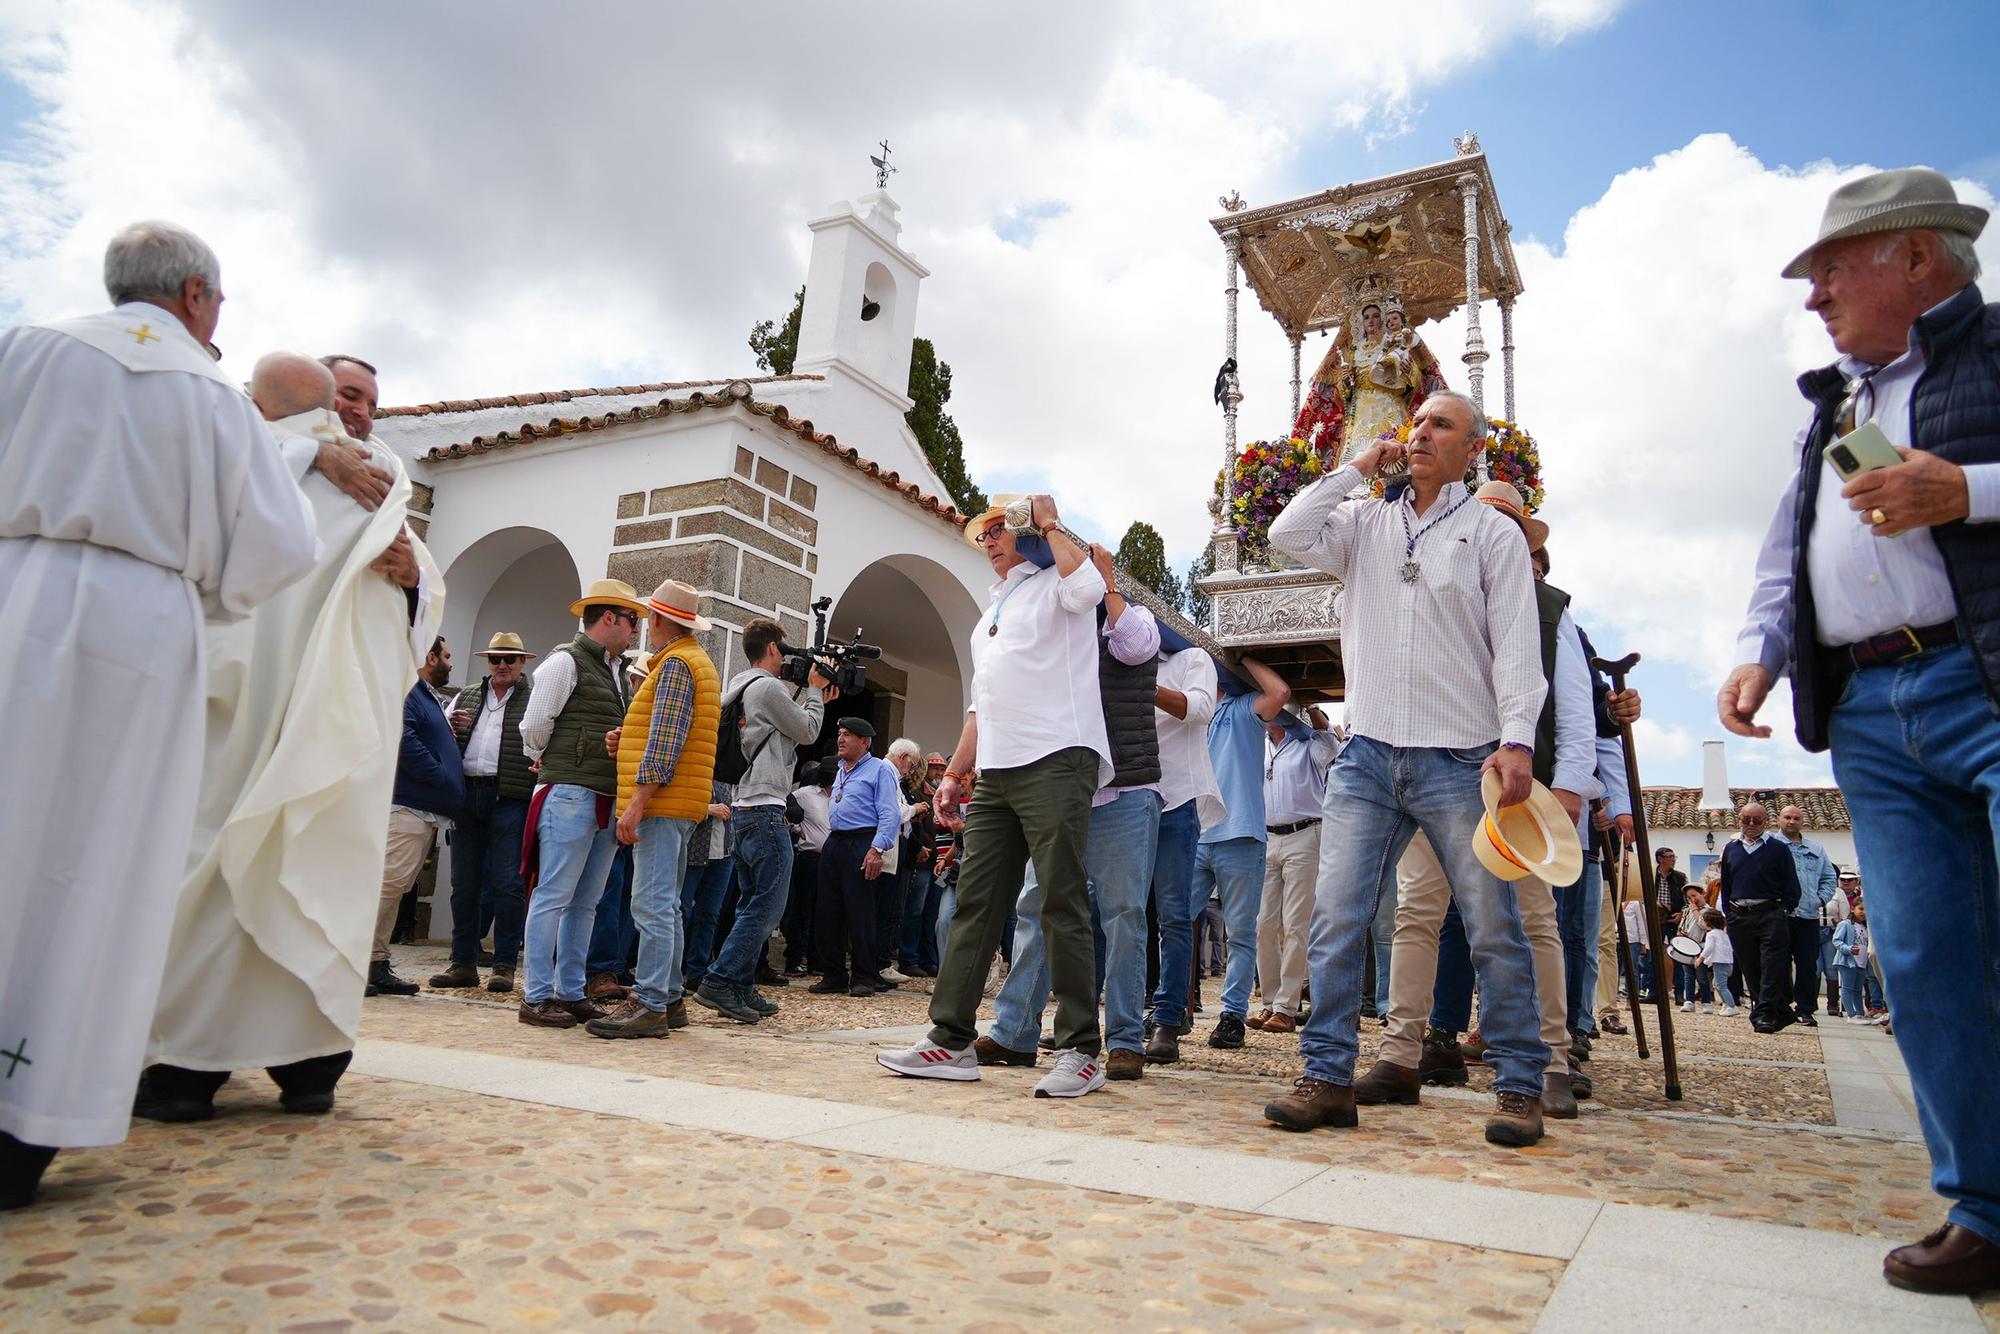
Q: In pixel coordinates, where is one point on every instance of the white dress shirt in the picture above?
(1185, 771)
(1295, 775)
(1862, 585)
(482, 747)
(1450, 658)
(1034, 682)
(817, 803)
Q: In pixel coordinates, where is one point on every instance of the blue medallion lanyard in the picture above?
(993, 631)
(1411, 568)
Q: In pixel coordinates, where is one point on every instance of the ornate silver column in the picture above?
(1298, 341)
(1507, 351)
(1232, 394)
(1475, 342)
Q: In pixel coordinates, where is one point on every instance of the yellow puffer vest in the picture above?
(687, 796)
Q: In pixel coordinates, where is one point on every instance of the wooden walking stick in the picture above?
(1625, 953)
(1671, 1065)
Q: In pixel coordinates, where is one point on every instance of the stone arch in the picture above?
(521, 579)
(921, 615)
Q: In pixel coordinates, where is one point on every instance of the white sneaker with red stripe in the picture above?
(1076, 1074)
(927, 1060)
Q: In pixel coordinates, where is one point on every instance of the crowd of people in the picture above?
(635, 825)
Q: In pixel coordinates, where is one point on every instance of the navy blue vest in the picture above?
(1955, 414)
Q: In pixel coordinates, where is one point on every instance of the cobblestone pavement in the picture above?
(416, 1205)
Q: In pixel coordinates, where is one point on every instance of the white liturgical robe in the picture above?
(305, 715)
(138, 488)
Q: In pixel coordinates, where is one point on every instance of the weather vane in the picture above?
(883, 171)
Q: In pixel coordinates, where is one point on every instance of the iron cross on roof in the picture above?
(883, 171)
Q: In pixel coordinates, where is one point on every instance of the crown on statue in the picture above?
(1372, 290)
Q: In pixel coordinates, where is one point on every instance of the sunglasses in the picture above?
(503, 659)
(630, 618)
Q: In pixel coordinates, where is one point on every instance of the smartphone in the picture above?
(1863, 449)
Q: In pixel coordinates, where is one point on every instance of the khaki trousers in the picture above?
(1284, 917)
(1607, 955)
(1423, 894)
(409, 843)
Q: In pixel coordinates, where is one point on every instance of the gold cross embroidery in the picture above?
(144, 334)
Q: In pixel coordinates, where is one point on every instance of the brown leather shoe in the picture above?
(677, 1014)
(1951, 1259)
(1261, 1018)
(1281, 1022)
(546, 1014)
(1441, 1062)
(502, 980)
(990, 1052)
(630, 1020)
(1388, 1082)
(604, 986)
(459, 976)
(1558, 1097)
(583, 1011)
(1164, 1046)
(1579, 1080)
(1122, 1064)
(1516, 1121)
(1312, 1102)
(1473, 1049)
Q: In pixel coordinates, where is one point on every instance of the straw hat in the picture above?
(975, 528)
(505, 642)
(609, 593)
(679, 603)
(1906, 199)
(1535, 838)
(1506, 497)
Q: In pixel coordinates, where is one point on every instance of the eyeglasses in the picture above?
(503, 659)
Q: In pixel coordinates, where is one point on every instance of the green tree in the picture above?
(777, 349)
(1142, 552)
(1196, 601)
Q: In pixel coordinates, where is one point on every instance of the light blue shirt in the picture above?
(1862, 585)
(1295, 772)
(864, 797)
(1817, 879)
(1236, 748)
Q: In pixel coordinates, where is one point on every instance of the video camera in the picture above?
(846, 663)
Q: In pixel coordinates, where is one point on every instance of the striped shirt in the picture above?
(1450, 656)
(673, 714)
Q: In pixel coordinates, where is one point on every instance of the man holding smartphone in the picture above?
(1893, 650)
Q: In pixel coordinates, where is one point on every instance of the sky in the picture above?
(519, 196)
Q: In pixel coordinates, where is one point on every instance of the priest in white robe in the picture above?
(139, 491)
(305, 716)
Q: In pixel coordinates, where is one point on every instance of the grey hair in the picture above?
(1478, 417)
(1959, 256)
(902, 745)
(155, 259)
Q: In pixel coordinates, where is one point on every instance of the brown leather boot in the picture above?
(1123, 1064)
(1312, 1102)
(457, 977)
(546, 1014)
(582, 1010)
(1388, 1082)
(1441, 1062)
(677, 1014)
(1163, 1046)
(990, 1052)
(1516, 1121)
(502, 980)
(604, 987)
(1280, 1022)
(1558, 1097)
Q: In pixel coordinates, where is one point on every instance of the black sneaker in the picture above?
(796, 970)
(748, 995)
(829, 986)
(1228, 1032)
(864, 986)
(726, 999)
(771, 977)
(1806, 1018)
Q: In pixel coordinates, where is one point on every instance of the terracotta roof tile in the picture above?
(735, 393)
(1680, 807)
(565, 395)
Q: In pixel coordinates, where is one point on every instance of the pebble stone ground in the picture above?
(418, 1204)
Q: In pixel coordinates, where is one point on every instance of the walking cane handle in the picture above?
(1616, 670)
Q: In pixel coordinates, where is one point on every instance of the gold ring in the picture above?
(1877, 517)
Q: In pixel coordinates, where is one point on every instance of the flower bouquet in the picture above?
(1268, 473)
(1511, 456)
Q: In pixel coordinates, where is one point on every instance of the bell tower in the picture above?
(861, 313)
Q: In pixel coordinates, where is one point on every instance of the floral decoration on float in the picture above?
(1268, 473)
(1511, 456)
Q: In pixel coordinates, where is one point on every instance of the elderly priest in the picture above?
(139, 492)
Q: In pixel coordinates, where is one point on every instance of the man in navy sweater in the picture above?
(1760, 887)
(430, 790)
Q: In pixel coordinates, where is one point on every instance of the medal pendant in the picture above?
(1410, 571)
(992, 631)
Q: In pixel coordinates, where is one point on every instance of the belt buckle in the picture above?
(1916, 644)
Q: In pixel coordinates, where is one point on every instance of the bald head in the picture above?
(285, 384)
(1753, 820)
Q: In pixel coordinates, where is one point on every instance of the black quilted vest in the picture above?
(1550, 603)
(1955, 414)
(1127, 693)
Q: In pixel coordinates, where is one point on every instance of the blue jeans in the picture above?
(1853, 988)
(1382, 932)
(929, 948)
(486, 859)
(659, 861)
(1916, 751)
(613, 935)
(915, 898)
(1377, 798)
(1119, 862)
(576, 859)
(1235, 867)
(1579, 918)
(1174, 906)
(763, 879)
(702, 890)
(1719, 973)
(1642, 968)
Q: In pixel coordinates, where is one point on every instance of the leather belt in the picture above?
(1282, 829)
(1900, 645)
(485, 780)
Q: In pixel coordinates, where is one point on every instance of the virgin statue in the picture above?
(1372, 380)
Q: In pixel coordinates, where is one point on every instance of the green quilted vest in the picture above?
(575, 752)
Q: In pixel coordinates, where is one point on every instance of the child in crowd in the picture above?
(1693, 982)
(1851, 955)
(1718, 957)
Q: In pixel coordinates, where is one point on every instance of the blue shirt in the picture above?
(864, 797)
(1236, 749)
(1817, 878)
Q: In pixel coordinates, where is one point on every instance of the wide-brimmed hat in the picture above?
(975, 528)
(1535, 838)
(1506, 497)
(609, 593)
(504, 642)
(679, 603)
(1903, 200)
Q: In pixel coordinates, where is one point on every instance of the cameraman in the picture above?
(777, 717)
